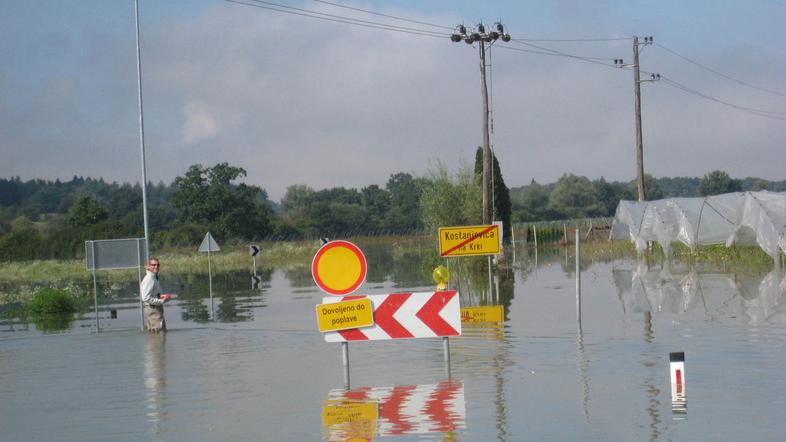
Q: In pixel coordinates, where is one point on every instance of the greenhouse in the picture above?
(741, 218)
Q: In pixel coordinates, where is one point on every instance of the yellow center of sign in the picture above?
(339, 268)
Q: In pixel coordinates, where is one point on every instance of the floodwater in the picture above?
(262, 371)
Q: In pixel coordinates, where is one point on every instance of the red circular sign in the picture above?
(339, 268)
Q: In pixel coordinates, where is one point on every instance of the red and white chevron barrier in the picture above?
(405, 315)
(411, 409)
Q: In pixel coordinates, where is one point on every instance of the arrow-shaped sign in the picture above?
(253, 250)
(405, 315)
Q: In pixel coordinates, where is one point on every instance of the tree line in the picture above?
(43, 219)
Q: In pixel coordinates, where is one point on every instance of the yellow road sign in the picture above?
(488, 313)
(355, 313)
(469, 240)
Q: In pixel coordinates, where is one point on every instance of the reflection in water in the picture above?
(368, 412)
(155, 380)
(644, 290)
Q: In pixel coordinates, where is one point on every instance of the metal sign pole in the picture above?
(210, 282)
(446, 350)
(95, 285)
(139, 274)
(491, 286)
(345, 360)
(578, 277)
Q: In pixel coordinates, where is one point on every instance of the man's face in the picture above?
(153, 266)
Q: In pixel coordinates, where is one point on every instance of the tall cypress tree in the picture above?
(500, 193)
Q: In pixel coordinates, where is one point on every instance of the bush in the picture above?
(51, 301)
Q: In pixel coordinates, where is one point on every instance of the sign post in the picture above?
(339, 268)
(112, 254)
(254, 251)
(210, 245)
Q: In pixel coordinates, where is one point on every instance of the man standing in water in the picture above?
(152, 298)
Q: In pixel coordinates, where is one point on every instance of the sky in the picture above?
(298, 100)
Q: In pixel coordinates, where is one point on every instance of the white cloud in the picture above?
(200, 123)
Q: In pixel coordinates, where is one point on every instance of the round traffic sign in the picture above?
(339, 268)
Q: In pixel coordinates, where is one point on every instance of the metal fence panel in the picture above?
(115, 254)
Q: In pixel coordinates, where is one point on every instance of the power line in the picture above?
(721, 74)
(754, 111)
(555, 53)
(575, 40)
(335, 18)
(384, 15)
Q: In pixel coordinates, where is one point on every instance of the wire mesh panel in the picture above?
(111, 254)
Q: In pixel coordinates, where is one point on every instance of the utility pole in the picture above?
(480, 35)
(637, 104)
(637, 101)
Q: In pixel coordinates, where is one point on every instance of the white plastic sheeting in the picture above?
(745, 218)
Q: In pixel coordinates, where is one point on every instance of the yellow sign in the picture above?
(489, 313)
(469, 240)
(350, 419)
(344, 315)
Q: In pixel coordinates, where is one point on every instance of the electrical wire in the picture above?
(555, 53)
(335, 18)
(721, 74)
(754, 111)
(575, 40)
(384, 15)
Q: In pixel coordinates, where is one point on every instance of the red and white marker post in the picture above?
(679, 401)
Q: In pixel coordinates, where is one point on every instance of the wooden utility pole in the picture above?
(486, 144)
(639, 142)
(482, 37)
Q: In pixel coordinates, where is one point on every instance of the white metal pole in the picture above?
(210, 280)
(578, 276)
(139, 274)
(345, 361)
(95, 285)
(141, 132)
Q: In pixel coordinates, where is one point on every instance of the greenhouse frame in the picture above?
(740, 218)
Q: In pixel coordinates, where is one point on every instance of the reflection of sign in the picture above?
(488, 313)
(343, 315)
(412, 409)
(469, 240)
(209, 244)
(339, 268)
(353, 419)
(253, 250)
(255, 280)
(405, 315)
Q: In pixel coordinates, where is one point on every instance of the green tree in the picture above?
(86, 211)
(652, 190)
(530, 203)
(376, 202)
(451, 200)
(210, 196)
(405, 194)
(718, 182)
(610, 194)
(574, 197)
(503, 208)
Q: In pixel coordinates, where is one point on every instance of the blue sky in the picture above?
(296, 100)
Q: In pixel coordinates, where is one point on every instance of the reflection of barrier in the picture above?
(390, 411)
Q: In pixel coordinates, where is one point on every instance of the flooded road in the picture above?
(261, 371)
